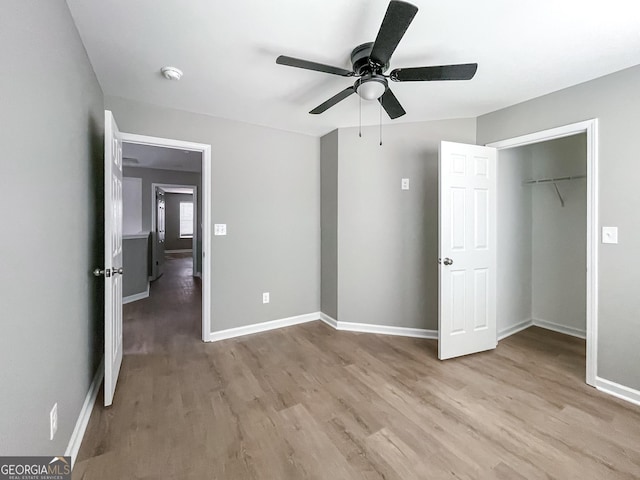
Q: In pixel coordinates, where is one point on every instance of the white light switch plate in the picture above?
(405, 184)
(609, 234)
(220, 229)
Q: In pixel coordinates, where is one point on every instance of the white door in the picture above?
(467, 297)
(113, 256)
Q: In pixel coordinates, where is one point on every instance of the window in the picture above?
(186, 219)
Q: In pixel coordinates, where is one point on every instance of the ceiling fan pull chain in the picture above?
(380, 120)
(360, 121)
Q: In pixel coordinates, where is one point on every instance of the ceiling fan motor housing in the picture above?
(361, 62)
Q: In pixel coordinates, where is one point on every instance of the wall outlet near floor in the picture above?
(265, 297)
(404, 184)
(53, 421)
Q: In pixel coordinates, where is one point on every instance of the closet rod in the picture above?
(553, 180)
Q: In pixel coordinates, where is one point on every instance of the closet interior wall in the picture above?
(542, 244)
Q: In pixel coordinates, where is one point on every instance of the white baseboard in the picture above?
(85, 414)
(378, 329)
(617, 390)
(513, 329)
(574, 332)
(332, 322)
(262, 327)
(137, 296)
(180, 250)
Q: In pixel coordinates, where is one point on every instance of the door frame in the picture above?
(207, 176)
(154, 215)
(590, 127)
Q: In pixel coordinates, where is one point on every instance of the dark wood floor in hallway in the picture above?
(309, 402)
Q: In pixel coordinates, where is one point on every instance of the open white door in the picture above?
(112, 256)
(467, 313)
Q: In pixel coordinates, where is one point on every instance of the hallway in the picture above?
(172, 315)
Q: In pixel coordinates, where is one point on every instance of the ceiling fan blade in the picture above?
(394, 25)
(307, 65)
(391, 105)
(464, 71)
(333, 100)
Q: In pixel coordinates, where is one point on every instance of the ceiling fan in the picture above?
(371, 60)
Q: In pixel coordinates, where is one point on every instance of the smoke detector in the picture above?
(171, 73)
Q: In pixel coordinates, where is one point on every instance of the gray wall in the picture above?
(559, 248)
(150, 176)
(266, 188)
(329, 223)
(172, 222)
(514, 223)
(135, 263)
(387, 237)
(614, 100)
(51, 136)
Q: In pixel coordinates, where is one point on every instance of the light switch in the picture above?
(609, 234)
(220, 229)
(405, 184)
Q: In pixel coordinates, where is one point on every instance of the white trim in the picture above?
(332, 322)
(180, 250)
(590, 127)
(556, 327)
(311, 317)
(378, 329)
(617, 390)
(136, 296)
(513, 329)
(262, 327)
(207, 177)
(85, 414)
(388, 330)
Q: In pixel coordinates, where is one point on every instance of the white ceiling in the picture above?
(227, 50)
(148, 156)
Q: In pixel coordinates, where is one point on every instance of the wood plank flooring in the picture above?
(309, 402)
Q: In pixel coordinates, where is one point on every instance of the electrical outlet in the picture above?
(265, 297)
(53, 421)
(404, 184)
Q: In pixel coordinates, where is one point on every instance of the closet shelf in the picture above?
(554, 181)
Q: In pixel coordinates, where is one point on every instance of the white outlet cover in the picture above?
(404, 184)
(609, 234)
(265, 297)
(53, 421)
(220, 229)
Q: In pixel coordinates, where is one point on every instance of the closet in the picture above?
(542, 236)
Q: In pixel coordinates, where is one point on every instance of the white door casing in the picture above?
(113, 256)
(467, 249)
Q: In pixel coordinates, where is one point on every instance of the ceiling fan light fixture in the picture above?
(371, 88)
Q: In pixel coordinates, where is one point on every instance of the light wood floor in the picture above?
(309, 402)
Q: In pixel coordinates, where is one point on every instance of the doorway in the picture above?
(555, 183)
(201, 222)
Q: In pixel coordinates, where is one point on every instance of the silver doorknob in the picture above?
(448, 261)
(98, 272)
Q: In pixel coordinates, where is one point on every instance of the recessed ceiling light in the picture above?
(171, 73)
